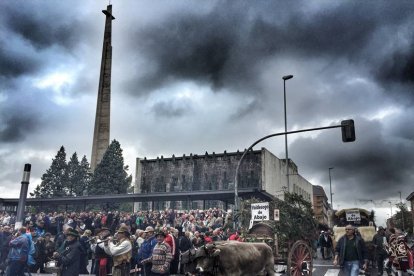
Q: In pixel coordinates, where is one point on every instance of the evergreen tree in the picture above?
(110, 176)
(73, 175)
(403, 219)
(55, 180)
(79, 175)
(83, 186)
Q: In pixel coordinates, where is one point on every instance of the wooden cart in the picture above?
(296, 259)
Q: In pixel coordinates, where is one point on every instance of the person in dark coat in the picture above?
(85, 245)
(184, 245)
(102, 264)
(350, 252)
(69, 258)
(5, 238)
(379, 241)
(326, 243)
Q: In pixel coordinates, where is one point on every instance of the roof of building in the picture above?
(318, 191)
(410, 197)
(223, 195)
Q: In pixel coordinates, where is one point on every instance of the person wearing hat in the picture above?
(145, 251)
(102, 264)
(121, 252)
(161, 256)
(69, 258)
(379, 241)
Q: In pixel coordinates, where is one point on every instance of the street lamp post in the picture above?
(330, 185)
(285, 78)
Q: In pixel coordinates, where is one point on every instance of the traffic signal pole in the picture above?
(348, 135)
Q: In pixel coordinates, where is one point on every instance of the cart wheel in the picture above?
(300, 261)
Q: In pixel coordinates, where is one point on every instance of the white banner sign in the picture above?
(353, 215)
(260, 211)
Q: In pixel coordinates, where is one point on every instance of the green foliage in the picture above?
(403, 218)
(73, 166)
(110, 176)
(64, 179)
(296, 219)
(55, 180)
(79, 176)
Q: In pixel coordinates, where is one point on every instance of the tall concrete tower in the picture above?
(103, 106)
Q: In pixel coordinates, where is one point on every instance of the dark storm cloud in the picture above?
(27, 21)
(400, 126)
(14, 63)
(180, 53)
(16, 127)
(226, 47)
(171, 109)
(247, 109)
(398, 67)
(369, 165)
(33, 39)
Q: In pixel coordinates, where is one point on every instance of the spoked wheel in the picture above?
(300, 261)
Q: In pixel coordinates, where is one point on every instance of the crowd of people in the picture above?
(152, 243)
(149, 242)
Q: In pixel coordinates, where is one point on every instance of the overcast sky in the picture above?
(197, 76)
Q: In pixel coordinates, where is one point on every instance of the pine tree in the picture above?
(83, 186)
(55, 180)
(110, 176)
(79, 176)
(73, 173)
(403, 219)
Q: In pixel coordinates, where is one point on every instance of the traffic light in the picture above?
(348, 131)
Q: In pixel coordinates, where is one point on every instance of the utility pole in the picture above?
(285, 78)
(402, 212)
(330, 186)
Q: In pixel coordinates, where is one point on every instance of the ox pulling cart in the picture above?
(276, 243)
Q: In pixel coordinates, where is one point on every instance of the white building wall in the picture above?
(274, 177)
(273, 174)
(301, 186)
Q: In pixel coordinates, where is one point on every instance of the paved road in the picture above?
(326, 268)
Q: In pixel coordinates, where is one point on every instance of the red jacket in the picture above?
(169, 239)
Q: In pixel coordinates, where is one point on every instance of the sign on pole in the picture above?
(353, 215)
(260, 211)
